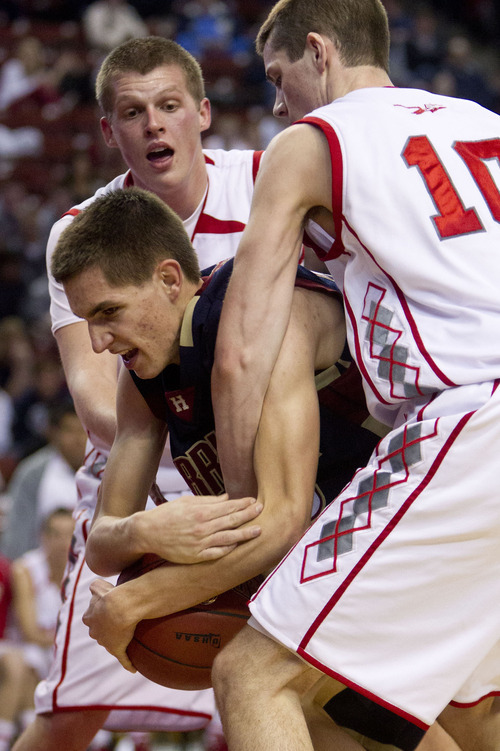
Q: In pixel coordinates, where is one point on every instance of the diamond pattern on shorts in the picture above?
(373, 491)
(384, 338)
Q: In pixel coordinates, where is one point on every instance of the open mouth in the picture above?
(159, 154)
(129, 357)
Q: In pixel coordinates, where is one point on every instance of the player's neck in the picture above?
(184, 199)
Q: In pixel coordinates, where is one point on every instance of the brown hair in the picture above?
(142, 56)
(359, 28)
(125, 233)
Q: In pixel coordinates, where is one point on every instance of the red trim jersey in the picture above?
(417, 229)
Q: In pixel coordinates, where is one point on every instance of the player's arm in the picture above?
(258, 301)
(286, 456)
(186, 530)
(91, 380)
(24, 603)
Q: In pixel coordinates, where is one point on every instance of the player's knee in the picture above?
(235, 669)
(225, 670)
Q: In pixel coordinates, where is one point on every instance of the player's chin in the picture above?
(145, 369)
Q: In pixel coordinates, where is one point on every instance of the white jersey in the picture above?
(417, 226)
(215, 231)
(410, 548)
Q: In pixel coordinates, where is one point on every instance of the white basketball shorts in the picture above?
(394, 590)
(83, 675)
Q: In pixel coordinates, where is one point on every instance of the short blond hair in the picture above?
(142, 56)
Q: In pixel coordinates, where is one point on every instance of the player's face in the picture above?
(299, 88)
(156, 125)
(138, 323)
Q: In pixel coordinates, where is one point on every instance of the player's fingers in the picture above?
(213, 553)
(222, 543)
(233, 521)
(220, 506)
(125, 662)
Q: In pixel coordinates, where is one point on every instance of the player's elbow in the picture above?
(95, 561)
(281, 533)
(231, 364)
(98, 556)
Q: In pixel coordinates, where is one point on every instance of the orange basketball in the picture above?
(178, 650)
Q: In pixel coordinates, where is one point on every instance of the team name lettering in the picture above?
(200, 467)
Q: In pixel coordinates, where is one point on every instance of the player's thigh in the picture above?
(475, 728)
(247, 659)
(254, 662)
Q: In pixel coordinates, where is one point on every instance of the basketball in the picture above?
(178, 650)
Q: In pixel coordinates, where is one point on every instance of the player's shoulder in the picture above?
(234, 159)
(116, 184)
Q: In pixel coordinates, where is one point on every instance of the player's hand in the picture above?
(108, 618)
(191, 529)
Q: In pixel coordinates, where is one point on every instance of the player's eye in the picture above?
(109, 312)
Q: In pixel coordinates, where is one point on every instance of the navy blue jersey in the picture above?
(181, 396)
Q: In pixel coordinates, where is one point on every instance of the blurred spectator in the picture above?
(13, 286)
(228, 131)
(14, 202)
(470, 81)
(16, 692)
(400, 25)
(108, 23)
(209, 26)
(73, 76)
(426, 46)
(18, 142)
(37, 577)
(14, 686)
(44, 481)
(26, 75)
(82, 180)
(33, 407)
(17, 358)
(36, 597)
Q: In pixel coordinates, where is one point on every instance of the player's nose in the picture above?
(154, 122)
(280, 109)
(101, 340)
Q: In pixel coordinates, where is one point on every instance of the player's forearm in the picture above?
(168, 589)
(248, 343)
(114, 543)
(92, 381)
(95, 406)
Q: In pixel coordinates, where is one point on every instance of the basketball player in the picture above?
(392, 590)
(148, 304)
(154, 107)
(144, 330)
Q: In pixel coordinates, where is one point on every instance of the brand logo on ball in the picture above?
(212, 639)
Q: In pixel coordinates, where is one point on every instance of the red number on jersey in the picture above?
(453, 218)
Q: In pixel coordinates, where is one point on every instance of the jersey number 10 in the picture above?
(453, 218)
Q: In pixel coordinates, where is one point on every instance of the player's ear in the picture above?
(107, 133)
(170, 275)
(316, 46)
(205, 115)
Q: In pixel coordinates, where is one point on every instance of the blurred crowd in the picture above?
(52, 157)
